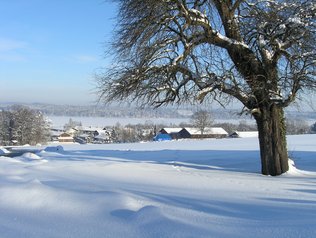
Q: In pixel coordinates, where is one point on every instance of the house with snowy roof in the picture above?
(172, 132)
(65, 138)
(55, 133)
(102, 138)
(208, 132)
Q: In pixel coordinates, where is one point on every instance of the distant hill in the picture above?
(137, 112)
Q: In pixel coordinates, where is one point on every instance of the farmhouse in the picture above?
(55, 133)
(96, 135)
(65, 137)
(92, 131)
(172, 132)
(102, 138)
(208, 132)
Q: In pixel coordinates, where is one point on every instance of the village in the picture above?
(20, 125)
(103, 135)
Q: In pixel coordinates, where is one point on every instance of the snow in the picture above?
(185, 188)
(207, 130)
(198, 16)
(295, 20)
(245, 134)
(3, 151)
(30, 156)
(230, 41)
(58, 148)
(172, 129)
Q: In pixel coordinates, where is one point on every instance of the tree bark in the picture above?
(272, 140)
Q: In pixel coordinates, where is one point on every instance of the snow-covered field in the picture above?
(200, 188)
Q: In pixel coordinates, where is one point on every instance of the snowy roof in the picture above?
(65, 136)
(92, 128)
(54, 133)
(245, 134)
(207, 131)
(84, 135)
(71, 130)
(102, 136)
(172, 130)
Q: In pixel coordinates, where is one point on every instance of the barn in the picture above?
(208, 132)
(172, 132)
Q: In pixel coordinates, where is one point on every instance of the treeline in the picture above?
(146, 131)
(21, 125)
(293, 127)
(128, 111)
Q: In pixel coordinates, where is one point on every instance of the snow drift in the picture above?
(189, 188)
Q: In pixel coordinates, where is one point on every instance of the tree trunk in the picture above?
(272, 140)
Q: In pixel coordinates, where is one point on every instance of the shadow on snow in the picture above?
(230, 160)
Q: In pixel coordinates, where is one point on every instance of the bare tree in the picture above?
(201, 119)
(297, 126)
(261, 53)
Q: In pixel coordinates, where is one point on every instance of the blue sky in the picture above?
(50, 50)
